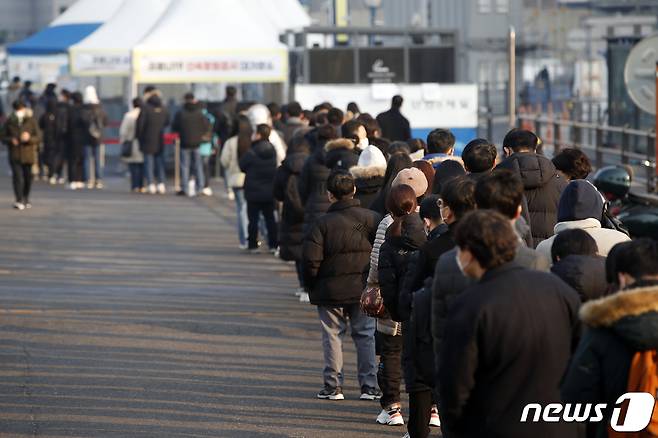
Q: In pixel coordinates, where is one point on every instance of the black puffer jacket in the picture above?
(313, 188)
(151, 123)
(259, 167)
(620, 325)
(286, 191)
(394, 257)
(336, 254)
(416, 305)
(191, 124)
(543, 187)
(586, 274)
(368, 181)
(508, 340)
(78, 128)
(341, 154)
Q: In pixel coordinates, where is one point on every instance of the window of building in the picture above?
(484, 6)
(502, 6)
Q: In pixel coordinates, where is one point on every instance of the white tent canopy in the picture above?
(43, 56)
(107, 52)
(210, 41)
(88, 11)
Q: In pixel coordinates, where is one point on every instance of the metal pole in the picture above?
(655, 130)
(177, 186)
(512, 77)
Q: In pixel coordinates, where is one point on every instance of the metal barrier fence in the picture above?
(605, 145)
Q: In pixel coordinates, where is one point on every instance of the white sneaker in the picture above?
(73, 186)
(304, 298)
(392, 417)
(162, 189)
(207, 191)
(61, 181)
(299, 291)
(80, 185)
(19, 206)
(230, 195)
(90, 185)
(191, 188)
(243, 246)
(152, 189)
(52, 181)
(435, 421)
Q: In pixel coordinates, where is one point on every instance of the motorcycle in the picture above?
(638, 214)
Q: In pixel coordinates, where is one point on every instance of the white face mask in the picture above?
(20, 114)
(363, 143)
(460, 266)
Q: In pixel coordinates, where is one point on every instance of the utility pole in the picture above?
(512, 77)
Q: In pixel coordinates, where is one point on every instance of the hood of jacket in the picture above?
(264, 150)
(295, 162)
(584, 273)
(339, 143)
(535, 170)
(412, 236)
(580, 200)
(359, 172)
(631, 314)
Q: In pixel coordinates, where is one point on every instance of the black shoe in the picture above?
(329, 393)
(369, 393)
(180, 193)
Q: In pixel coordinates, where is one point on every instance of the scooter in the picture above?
(638, 214)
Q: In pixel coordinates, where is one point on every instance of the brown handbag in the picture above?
(372, 303)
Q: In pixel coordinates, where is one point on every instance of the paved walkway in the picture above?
(128, 315)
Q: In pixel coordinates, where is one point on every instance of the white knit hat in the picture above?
(371, 156)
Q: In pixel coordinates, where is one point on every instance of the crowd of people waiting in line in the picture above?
(51, 135)
(484, 282)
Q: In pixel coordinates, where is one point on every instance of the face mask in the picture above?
(363, 143)
(459, 265)
(20, 114)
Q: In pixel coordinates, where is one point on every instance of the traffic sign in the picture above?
(639, 74)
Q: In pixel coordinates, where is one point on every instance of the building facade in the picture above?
(21, 18)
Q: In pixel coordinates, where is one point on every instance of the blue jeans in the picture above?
(92, 151)
(154, 165)
(136, 175)
(241, 207)
(191, 158)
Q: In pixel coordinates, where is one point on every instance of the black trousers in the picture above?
(420, 405)
(389, 373)
(254, 210)
(75, 162)
(22, 180)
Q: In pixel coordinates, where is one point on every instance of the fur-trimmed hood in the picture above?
(359, 172)
(631, 314)
(339, 143)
